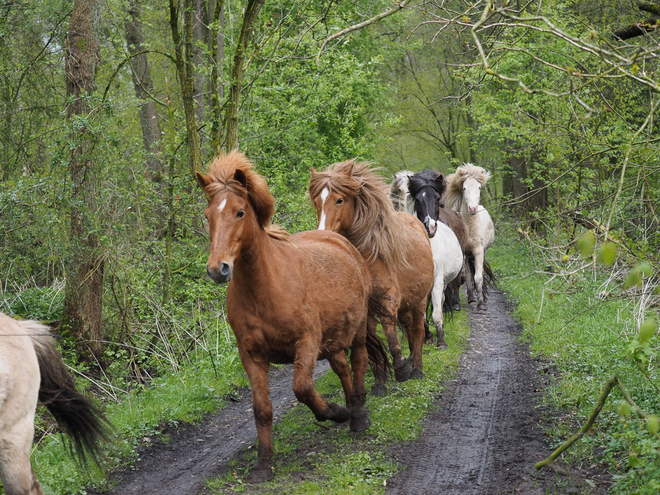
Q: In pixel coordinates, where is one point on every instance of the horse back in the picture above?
(455, 222)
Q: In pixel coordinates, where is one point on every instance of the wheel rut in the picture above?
(484, 437)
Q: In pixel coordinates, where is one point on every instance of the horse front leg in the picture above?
(304, 387)
(257, 372)
(339, 364)
(437, 295)
(468, 269)
(479, 277)
(400, 364)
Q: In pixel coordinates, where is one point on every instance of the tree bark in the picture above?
(217, 49)
(237, 72)
(185, 70)
(149, 120)
(84, 286)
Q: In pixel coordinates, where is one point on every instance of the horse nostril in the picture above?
(225, 269)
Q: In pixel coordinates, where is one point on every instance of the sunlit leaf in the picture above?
(633, 278)
(606, 254)
(645, 269)
(586, 243)
(646, 331)
(653, 424)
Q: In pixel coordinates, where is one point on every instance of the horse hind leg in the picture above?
(479, 279)
(468, 267)
(438, 318)
(16, 472)
(359, 361)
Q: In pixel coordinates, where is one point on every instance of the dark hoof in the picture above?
(259, 475)
(378, 390)
(441, 345)
(337, 413)
(457, 307)
(481, 307)
(403, 372)
(417, 374)
(360, 420)
(429, 339)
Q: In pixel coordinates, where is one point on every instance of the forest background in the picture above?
(108, 107)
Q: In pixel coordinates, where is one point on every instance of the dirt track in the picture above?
(483, 438)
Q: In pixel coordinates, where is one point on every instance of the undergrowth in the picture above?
(309, 458)
(585, 324)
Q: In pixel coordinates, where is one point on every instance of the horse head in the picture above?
(334, 197)
(239, 202)
(426, 190)
(472, 194)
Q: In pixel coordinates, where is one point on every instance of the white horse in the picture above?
(32, 370)
(425, 191)
(463, 195)
(399, 189)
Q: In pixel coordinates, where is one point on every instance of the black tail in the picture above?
(76, 415)
(378, 356)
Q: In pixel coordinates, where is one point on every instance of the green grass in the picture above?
(311, 459)
(582, 327)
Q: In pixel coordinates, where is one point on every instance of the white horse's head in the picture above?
(472, 194)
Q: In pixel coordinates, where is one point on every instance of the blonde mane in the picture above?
(399, 189)
(455, 181)
(222, 176)
(376, 231)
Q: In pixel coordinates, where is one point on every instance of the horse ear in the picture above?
(441, 181)
(349, 170)
(240, 177)
(202, 180)
(312, 170)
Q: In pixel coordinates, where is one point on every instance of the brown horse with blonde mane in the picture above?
(291, 299)
(352, 200)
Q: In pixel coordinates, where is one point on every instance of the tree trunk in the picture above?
(237, 72)
(184, 66)
(149, 120)
(217, 49)
(84, 285)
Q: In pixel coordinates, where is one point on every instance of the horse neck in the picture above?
(252, 268)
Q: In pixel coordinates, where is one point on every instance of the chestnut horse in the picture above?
(32, 370)
(463, 195)
(352, 200)
(425, 190)
(291, 299)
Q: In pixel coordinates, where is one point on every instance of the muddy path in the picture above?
(194, 454)
(484, 436)
(487, 432)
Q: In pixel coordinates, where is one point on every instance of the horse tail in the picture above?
(75, 413)
(490, 281)
(375, 348)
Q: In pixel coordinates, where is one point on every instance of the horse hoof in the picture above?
(417, 374)
(259, 475)
(378, 390)
(360, 420)
(442, 345)
(402, 373)
(338, 414)
(481, 307)
(430, 340)
(457, 307)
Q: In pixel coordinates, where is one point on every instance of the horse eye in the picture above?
(240, 214)
(340, 201)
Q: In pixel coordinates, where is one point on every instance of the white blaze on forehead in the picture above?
(324, 195)
(223, 204)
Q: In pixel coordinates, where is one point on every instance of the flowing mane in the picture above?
(222, 172)
(399, 189)
(455, 181)
(376, 230)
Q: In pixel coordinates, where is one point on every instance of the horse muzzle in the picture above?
(221, 274)
(431, 229)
